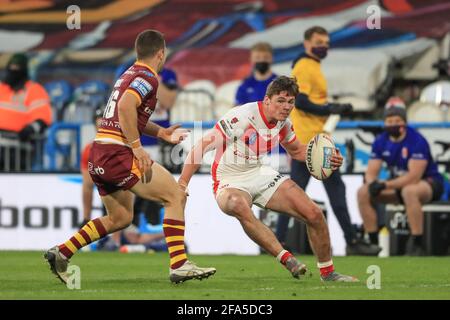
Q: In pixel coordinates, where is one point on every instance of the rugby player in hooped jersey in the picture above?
(119, 165)
(241, 138)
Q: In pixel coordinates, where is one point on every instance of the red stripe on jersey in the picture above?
(263, 116)
(219, 154)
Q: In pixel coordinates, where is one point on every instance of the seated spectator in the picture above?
(414, 179)
(254, 87)
(24, 104)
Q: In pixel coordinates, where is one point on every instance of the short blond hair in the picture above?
(262, 47)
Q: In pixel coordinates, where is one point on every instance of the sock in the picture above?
(283, 256)
(90, 232)
(417, 239)
(373, 236)
(174, 233)
(325, 268)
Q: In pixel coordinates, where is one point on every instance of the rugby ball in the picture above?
(318, 156)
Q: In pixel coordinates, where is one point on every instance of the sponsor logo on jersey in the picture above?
(118, 83)
(417, 156)
(142, 86)
(404, 152)
(245, 156)
(124, 181)
(224, 186)
(96, 170)
(148, 110)
(148, 73)
(251, 139)
(225, 128)
(234, 120)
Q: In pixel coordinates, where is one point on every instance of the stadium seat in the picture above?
(437, 92)
(88, 96)
(193, 105)
(424, 112)
(204, 85)
(226, 93)
(60, 93)
(360, 104)
(225, 97)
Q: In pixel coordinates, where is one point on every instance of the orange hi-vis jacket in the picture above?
(18, 109)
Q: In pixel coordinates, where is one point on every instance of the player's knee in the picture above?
(176, 197)
(236, 205)
(126, 221)
(409, 192)
(121, 221)
(314, 216)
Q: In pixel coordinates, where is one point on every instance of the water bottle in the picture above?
(383, 240)
(131, 248)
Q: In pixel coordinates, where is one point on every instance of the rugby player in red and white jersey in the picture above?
(119, 166)
(241, 138)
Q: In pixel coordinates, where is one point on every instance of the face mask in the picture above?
(393, 131)
(262, 67)
(320, 52)
(16, 78)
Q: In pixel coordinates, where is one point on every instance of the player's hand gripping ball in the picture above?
(322, 157)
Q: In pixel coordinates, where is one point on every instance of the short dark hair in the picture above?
(316, 29)
(148, 43)
(282, 83)
(262, 46)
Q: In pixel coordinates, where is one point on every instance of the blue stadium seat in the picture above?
(60, 93)
(88, 96)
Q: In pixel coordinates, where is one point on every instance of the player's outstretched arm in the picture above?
(296, 150)
(151, 129)
(194, 159)
(174, 134)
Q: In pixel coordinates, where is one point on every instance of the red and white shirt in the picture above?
(248, 138)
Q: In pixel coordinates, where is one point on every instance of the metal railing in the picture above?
(193, 105)
(21, 156)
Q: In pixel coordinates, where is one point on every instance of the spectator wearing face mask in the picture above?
(24, 104)
(414, 178)
(254, 87)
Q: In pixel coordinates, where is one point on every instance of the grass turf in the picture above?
(25, 275)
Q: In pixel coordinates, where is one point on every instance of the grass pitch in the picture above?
(25, 275)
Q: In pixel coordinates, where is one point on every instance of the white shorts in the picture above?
(260, 183)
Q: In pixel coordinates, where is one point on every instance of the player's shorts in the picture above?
(260, 183)
(112, 167)
(437, 187)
